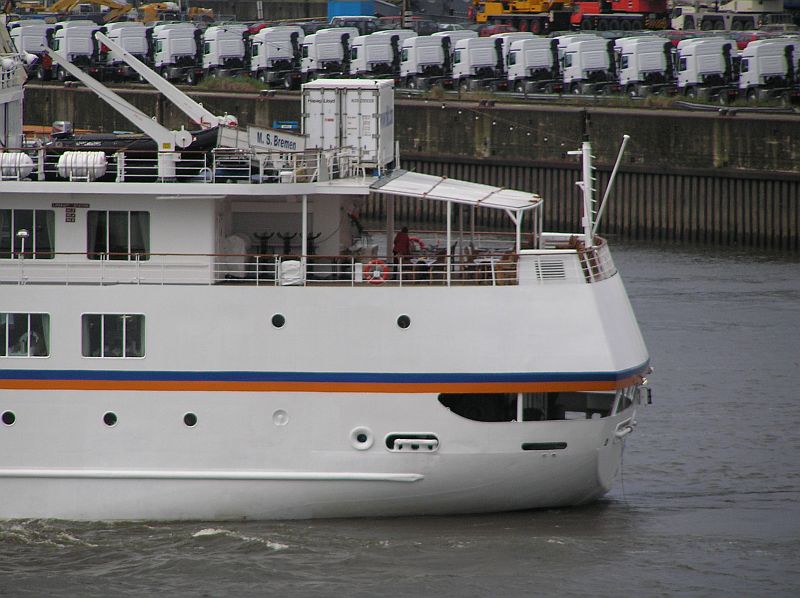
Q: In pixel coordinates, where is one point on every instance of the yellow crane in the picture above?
(115, 9)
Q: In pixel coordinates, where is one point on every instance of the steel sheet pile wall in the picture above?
(728, 211)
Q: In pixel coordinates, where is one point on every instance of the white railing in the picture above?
(220, 165)
(492, 269)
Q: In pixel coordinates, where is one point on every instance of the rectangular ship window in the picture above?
(117, 235)
(112, 335)
(24, 335)
(39, 243)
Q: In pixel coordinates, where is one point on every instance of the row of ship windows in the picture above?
(110, 234)
(102, 335)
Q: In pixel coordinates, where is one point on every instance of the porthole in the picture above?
(361, 438)
(110, 418)
(8, 417)
(404, 321)
(278, 320)
(190, 419)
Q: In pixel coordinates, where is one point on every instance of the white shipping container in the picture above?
(354, 113)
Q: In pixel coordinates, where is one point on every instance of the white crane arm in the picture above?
(184, 103)
(167, 140)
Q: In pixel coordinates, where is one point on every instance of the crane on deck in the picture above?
(194, 110)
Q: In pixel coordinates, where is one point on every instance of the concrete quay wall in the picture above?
(707, 177)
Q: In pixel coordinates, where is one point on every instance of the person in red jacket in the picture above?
(402, 244)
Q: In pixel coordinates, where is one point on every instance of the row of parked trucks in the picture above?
(579, 63)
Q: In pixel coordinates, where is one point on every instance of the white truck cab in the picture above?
(175, 51)
(130, 36)
(588, 67)
(645, 65)
(422, 61)
(506, 39)
(769, 69)
(275, 55)
(371, 56)
(533, 65)
(706, 68)
(327, 52)
(74, 40)
(476, 61)
(223, 50)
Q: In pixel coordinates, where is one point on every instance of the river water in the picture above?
(708, 503)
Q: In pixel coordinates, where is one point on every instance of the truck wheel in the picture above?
(536, 27)
(586, 24)
(464, 85)
(191, 78)
(632, 91)
(411, 83)
(575, 89)
(719, 26)
(61, 74)
(752, 96)
(519, 86)
(288, 82)
(692, 92)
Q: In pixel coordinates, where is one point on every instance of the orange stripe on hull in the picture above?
(352, 387)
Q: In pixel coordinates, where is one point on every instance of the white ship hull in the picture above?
(257, 452)
(151, 467)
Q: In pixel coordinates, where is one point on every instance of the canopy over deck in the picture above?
(427, 186)
(453, 191)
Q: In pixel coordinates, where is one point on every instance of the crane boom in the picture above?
(184, 103)
(167, 141)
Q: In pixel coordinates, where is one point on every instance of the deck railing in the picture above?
(220, 165)
(488, 269)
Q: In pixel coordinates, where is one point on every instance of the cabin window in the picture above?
(623, 63)
(117, 235)
(305, 51)
(512, 58)
(682, 64)
(353, 53)
(206, 48)
(541, 406)
(457, 57)
(24, 335)
(254, 50)
(40, 226)
(567, 60)
(404, 55)
(159, 46)
(745, 65)
(55, 44)
(112, 335)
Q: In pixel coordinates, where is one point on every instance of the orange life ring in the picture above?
(376, 271)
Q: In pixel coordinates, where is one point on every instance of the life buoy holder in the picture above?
(376, 271)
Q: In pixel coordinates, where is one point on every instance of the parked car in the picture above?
(490, 30)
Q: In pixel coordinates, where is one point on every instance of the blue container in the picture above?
(342, 8)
